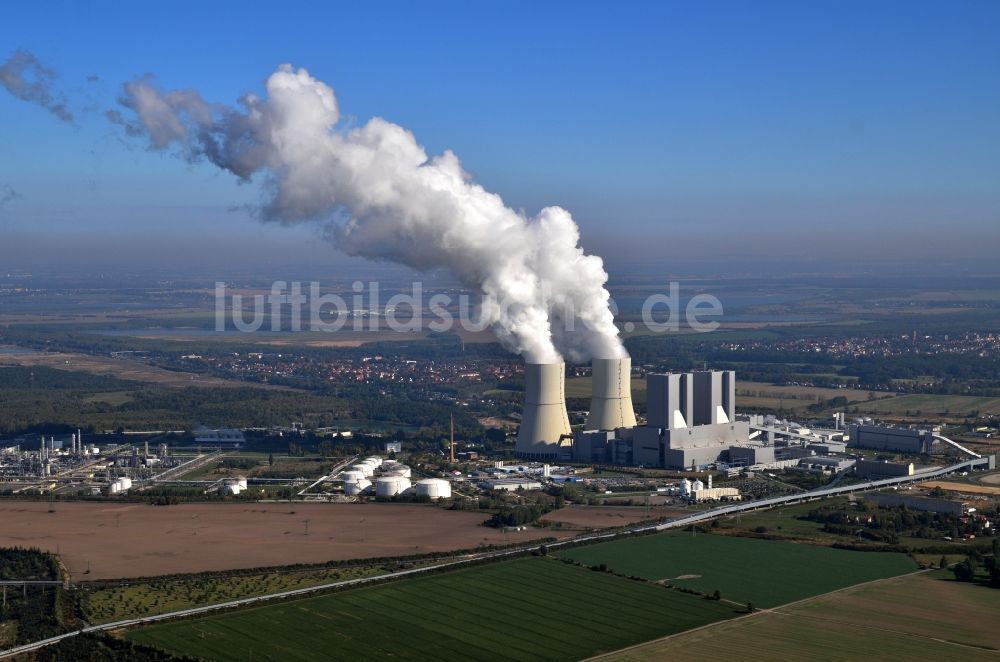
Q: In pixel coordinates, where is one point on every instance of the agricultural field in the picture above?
(527, 609)
(931, 406)
(125, 369)
(102, 540)
(105, 604)
(606, 517)
(764, 572)
(961, 488)
(916, 617)
(781, 522)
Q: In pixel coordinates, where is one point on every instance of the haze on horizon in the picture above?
(675, 134)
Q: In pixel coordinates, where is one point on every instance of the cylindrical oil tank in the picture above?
(435, 488)
(351, 476)
(357, 487)
(544, 421)
(611, 395)
(390, 486)
(400, 470)
(242, 482)
(365, 469)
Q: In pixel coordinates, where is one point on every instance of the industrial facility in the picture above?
(691, 421)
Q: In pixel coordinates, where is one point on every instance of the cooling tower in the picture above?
(544, 420)
(611, 395)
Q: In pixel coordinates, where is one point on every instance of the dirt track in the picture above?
(132, 540)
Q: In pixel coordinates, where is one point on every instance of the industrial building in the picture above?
(875, 469)
(223, 437)
(826, 463)
(513, 484)
(691, 422)
(882, 438)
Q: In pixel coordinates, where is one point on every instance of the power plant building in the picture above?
(691, 423)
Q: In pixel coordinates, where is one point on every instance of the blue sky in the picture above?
(681, 130)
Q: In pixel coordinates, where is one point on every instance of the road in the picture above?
(680, 522)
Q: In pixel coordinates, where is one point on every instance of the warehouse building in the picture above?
(883, 438)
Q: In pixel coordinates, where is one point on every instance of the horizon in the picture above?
(875, 140)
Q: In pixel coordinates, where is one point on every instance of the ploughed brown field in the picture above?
(135, 540)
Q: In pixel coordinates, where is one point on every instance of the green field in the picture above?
(764, 572)
(528, 609)
(917, 617)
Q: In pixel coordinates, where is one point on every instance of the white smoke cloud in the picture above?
(28, 79)
(395, 203)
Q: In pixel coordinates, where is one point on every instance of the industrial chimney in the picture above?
(544, 421)
(611, 395)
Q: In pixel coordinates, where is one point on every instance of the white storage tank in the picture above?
(357, 487)
(389, 464)
(119, 485)
(365, 469)
(390, 486)
(435, 488)
(351, 476)
(401, 470)
(242, 482)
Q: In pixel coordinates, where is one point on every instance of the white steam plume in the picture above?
(395, 203)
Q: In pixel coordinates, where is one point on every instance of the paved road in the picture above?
(671, 524)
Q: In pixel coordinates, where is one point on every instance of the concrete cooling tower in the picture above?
(544, 421)
(611, 395)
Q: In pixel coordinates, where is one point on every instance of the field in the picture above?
(960, 487)
(528, 609)
(931, 406)
(916, 617)
(125, 369)
(115, 540)
(766, 573)
(604, 517)
(105, 604)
